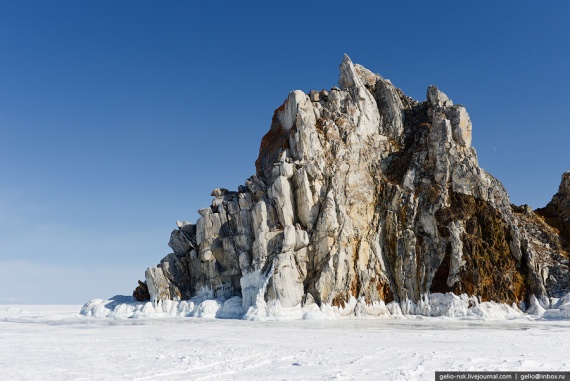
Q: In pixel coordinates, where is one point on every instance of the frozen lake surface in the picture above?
(56, 343)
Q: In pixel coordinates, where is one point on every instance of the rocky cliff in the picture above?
(364, 194)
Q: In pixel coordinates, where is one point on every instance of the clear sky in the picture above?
(119, 117)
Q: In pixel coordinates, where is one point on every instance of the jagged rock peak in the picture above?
(564, 188)
(561, 200)
(361, 195)
(438, 98)
(559, 207)
(348, 76)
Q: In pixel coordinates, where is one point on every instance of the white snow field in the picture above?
(57, 343)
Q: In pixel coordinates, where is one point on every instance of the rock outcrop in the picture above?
(558, 209)
(364, 194)
(548, 232)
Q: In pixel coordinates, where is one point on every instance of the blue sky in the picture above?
(117, 118)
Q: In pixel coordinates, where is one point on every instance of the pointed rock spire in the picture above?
(559, 206)
(348, 76)
(437, 97)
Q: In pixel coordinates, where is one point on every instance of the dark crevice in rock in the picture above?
(439, 282)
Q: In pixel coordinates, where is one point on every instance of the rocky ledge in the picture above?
(363, 195)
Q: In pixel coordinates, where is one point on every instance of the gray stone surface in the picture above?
(314, 95)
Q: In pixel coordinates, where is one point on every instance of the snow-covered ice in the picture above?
(434, 305)
(57, 343)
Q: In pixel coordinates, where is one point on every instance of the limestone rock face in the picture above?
(361, 192)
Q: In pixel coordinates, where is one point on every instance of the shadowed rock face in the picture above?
(362, 192)
(548, 230)
(558, 209)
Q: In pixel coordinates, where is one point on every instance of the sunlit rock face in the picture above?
(363, 192)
